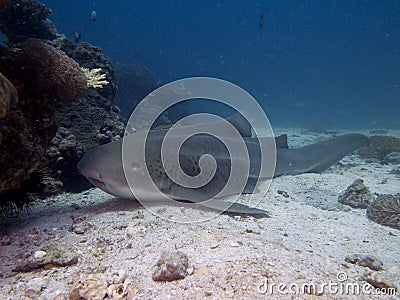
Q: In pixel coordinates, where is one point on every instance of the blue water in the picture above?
(329, 63)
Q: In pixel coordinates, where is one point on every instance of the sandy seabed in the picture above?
(108, 247)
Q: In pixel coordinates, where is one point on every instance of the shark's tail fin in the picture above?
(317, 157)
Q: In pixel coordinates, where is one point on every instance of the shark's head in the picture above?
(102, 166)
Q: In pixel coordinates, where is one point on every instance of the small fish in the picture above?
(77, 37)
(93, 16)
(262, 22)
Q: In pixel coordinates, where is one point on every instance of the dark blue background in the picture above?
(333, 63)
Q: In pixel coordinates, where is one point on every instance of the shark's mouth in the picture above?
(98, 183)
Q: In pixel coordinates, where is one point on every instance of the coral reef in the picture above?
(22, 19)
(385, 210)
(43, 76)
(357, 195)
(379, 147)
(46, 70)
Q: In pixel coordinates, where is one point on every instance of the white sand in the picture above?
(305, 240)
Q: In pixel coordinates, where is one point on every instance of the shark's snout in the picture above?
(91, 174)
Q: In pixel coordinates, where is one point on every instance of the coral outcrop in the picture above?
(22, 19)
(379, 147)
(94, 120)
(357, 195)
(385, 210)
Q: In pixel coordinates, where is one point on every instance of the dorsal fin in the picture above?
(204, 123)
(241, 124)
(281, 141)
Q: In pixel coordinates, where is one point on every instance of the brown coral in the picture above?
(385, 210)
(49, 72)
(8, 95)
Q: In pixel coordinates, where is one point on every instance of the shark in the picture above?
(103, 166)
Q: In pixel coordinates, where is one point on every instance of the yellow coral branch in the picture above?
(95, 79)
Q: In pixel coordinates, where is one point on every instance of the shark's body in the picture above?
(103, 165)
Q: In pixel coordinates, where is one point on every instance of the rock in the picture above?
(56, 255)
(378, 131)
(357, 195)
(64, 154)
(134, 229)
(80, 225)
(39, 254)
(379, 147)
(383, 281)
(392, 158)
(171, 266)
(365, 261)
(395, 171)
(35, 286)
(5, 240)
(92, 287)
(117, 277)
(283, 193)
(98, 286)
